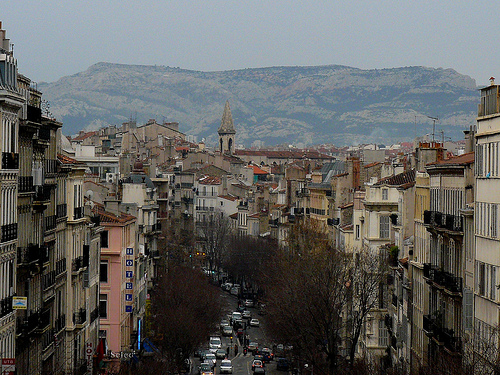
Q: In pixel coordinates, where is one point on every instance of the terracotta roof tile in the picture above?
(399, 179)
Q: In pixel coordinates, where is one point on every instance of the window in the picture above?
(385, 194)
(104, 239)
(481, 279)
(383, 334)
(103, 306)
(384, 226)
(357, 231)
(103, 274)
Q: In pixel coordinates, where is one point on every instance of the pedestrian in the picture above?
(235, 350)
(227, 351)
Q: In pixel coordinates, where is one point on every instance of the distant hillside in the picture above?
(322, 104)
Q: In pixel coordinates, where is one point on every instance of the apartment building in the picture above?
(11, 103)
(486, 217)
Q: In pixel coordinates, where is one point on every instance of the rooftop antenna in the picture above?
(434, 119)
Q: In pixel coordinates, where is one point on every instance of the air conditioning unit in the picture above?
(111, 177)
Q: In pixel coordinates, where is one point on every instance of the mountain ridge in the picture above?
(283, 104)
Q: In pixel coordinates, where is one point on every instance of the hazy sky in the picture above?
(54, 38)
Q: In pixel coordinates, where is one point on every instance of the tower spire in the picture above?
(227, 125)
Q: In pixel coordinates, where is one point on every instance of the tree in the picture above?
(187, 310)
(213, 237)
(319, 296)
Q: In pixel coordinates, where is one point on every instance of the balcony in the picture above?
(204, 208)
(274, 222)
(60, 323)
(28, 255)
(44, 134)
(440, 221)
(42, 194)
(25, 184)
(10, 160)
(442, 279)
(187, 200)
(43, 321)
(8, 232)
(5, 306)
(452, 344)
(162, 196)
(34, 114)
(48, 280)
(50, 166)
(77, 264)
(303, 192)
(96, 220)
(48, 339)
(299, 211)
(61, 210)
(60, 266)
(79, 318)
(78, 213)
(50, 223)
(291, 219)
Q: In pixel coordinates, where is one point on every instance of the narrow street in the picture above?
(242, 364)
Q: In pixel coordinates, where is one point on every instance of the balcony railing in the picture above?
(274, 222)
(28, 255)
(42, 193)
(50, 166)
(204, 208)
(48, 338)
(10, 160)
(25, 184)
(50, 222)
(80, 317)
(60, 266)
(61, 210)
(48, 280)
(60, 323)
(444, 279)
(34, 114)
(443, 221)
(44, 133)
(44, 320)
(5, 306)
(291, 219)
(304, 192)
(77, 264)
(452, 343)
(299, 211)
(78, 213)
(9, 232)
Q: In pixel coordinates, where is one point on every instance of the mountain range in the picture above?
(306, 105)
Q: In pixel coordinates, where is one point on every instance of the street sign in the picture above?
(19, 303)
(8, 366)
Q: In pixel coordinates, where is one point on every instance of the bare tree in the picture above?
(319, 297)
(187, 310)
(213, 237)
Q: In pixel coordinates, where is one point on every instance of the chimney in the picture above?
(112, 206)
(492, 81)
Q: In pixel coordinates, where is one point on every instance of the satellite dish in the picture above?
(89, 194)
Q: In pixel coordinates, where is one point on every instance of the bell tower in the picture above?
(226, 132)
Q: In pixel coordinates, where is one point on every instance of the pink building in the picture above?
(116, 277)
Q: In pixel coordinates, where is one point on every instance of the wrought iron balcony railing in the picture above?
(8, 232)
(25, 184)
(10, 160)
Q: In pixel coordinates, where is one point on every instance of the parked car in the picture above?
(249, 303)
(257, 363)
(224, 323)
(226, 367)
(205, 369)
(260, 371)
(235, 289)
(246, 314)
(227, 286)
(254, 322)
(282, 364)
